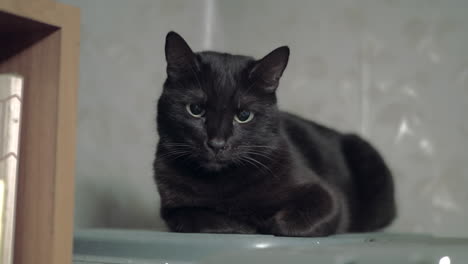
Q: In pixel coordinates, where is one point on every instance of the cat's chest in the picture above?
(231, 193)
(220, 193)
(239, 201)
(224, 195)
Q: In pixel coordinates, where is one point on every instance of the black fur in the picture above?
(277, 174)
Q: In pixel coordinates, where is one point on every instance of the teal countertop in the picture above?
(137, 247)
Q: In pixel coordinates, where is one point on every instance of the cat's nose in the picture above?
(216, 144)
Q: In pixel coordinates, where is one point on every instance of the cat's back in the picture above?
(319, 146)
(295, 124)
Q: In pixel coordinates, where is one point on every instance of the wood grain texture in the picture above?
(49, 65)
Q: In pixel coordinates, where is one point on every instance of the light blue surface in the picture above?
(130, 246)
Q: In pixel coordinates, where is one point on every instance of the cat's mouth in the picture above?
(215, 166)
(216, 163)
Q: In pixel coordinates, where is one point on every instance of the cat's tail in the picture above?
(373, 183)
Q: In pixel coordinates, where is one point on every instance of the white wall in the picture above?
(395, 71)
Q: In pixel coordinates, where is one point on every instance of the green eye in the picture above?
(243, 116)
(195, 110)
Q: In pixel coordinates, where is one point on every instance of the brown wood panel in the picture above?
(49, 63)
(39, 65)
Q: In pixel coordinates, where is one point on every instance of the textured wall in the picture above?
(394, 71)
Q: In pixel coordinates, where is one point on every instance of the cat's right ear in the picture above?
(180, 58)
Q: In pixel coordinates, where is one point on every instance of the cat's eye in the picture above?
(195, 110)
(243, 116)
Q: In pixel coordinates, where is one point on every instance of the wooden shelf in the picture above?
(39, 40)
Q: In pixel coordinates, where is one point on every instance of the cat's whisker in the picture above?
(177, 145)
(179, 156)
(174, 153)
(184, 158)
(259, 154)
(237, 162)
(267, 150)
(251, 163)
(259, 163)
(258, 146)
(175, 148)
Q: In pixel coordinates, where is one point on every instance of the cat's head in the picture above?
(216, 109)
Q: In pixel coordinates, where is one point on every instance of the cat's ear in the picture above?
(268, 71)
(180, 58)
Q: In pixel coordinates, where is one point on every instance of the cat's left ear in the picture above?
(268, 71)
(179, 56)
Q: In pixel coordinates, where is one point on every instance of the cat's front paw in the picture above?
(315, 214)
(293, 224)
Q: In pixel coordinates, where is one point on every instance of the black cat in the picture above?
(228, 161)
